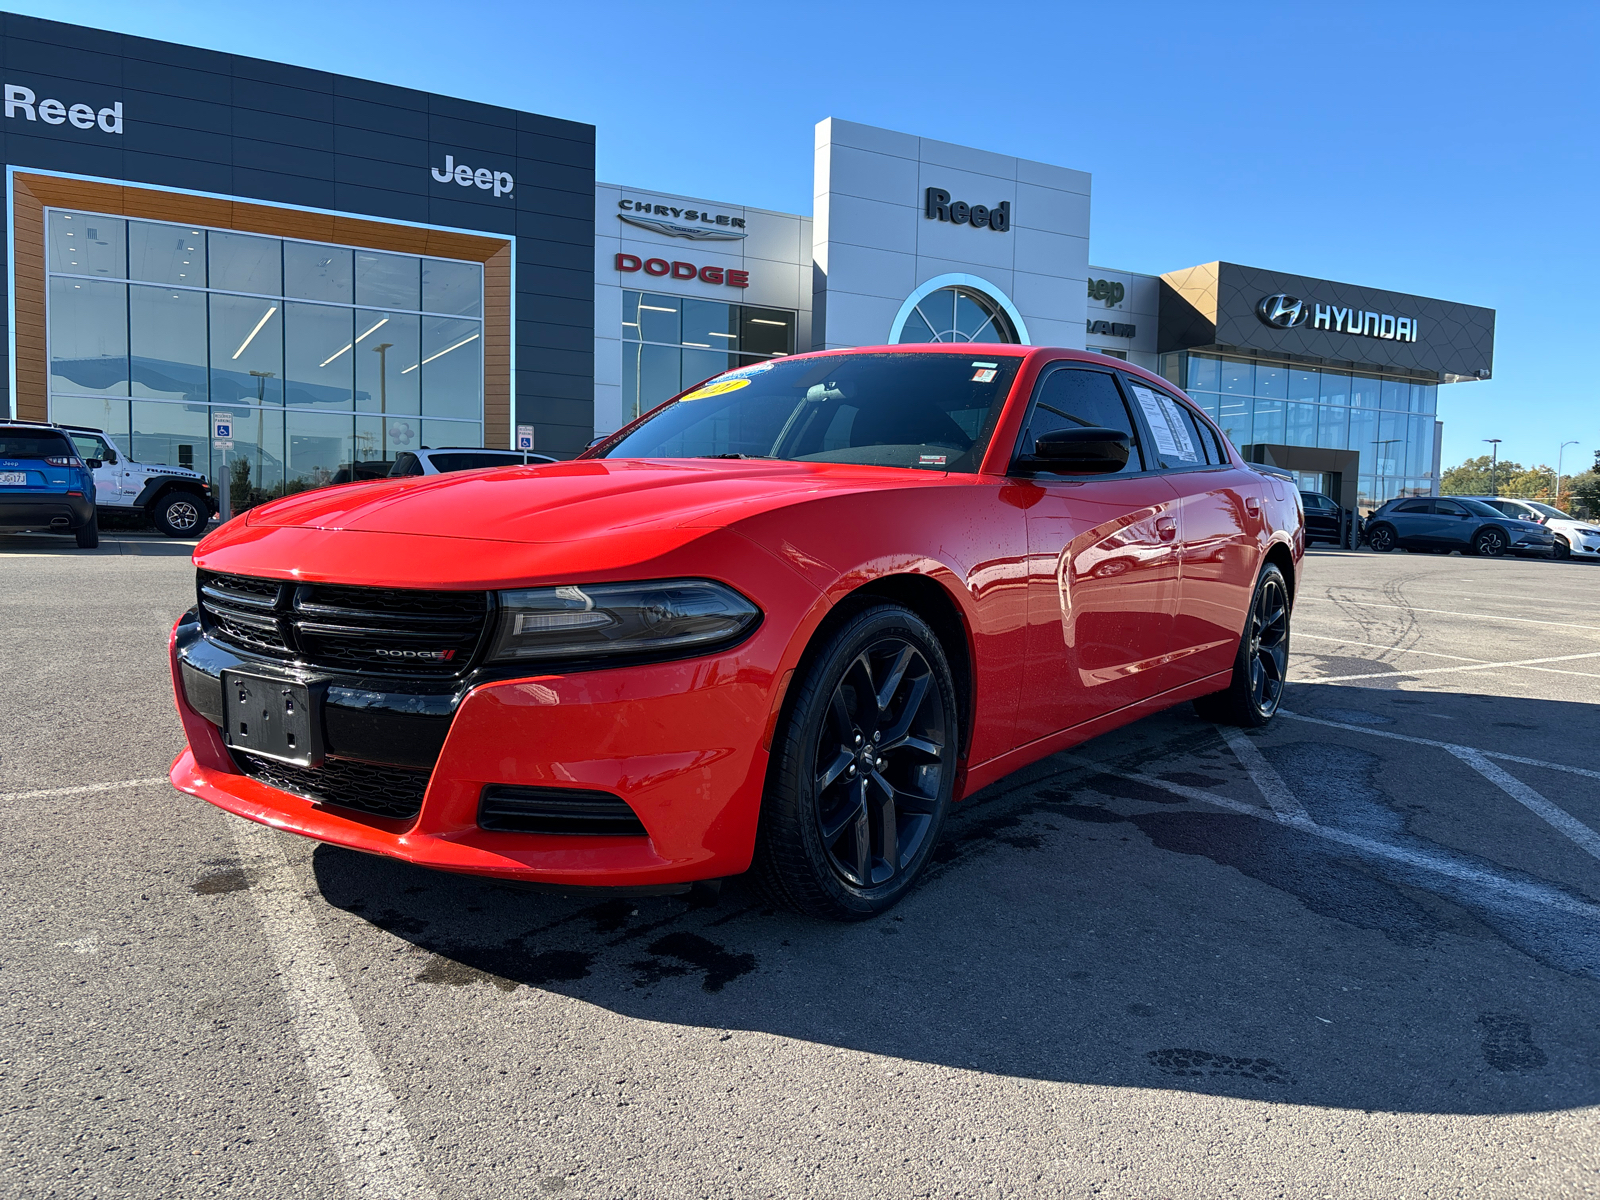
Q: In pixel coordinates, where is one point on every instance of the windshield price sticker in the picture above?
(932, 460)
(718, 388)
(985, 372)
(1167, 432)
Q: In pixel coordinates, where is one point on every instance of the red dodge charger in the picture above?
(780, 623)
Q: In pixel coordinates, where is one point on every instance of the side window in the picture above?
(1177, 438)
(88, 446)
(405, 464)
(1069, 397)
(1449, 508)
(1422, 506)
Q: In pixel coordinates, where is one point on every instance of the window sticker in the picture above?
(985, 364)
(984, 375)
(1166, 423)
(717, 387)
(932, 460)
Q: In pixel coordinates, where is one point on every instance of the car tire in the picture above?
(1261, 664)
(865, 748)
(180, 514)
(1562, 550)
(1489, 543)
(1382, 538)
(89, 536)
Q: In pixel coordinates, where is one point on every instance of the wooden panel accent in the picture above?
(31, 194)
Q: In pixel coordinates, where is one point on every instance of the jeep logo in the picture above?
(1107, 290)
(937, 206)
(500, 182)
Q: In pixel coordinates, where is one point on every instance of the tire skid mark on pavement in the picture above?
(365, 1125)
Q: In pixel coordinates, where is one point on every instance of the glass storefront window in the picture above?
(1364, 391)
(89, 336)
(315, 272)
(1423, 397)
(167, 343)
(957, 314)
(242, 262)
(1334, 387)
(292, 338)
(671, 343)
(1394, 394)
(1333, 427)
(1204, 374)
(1268, 423)
(1304, 386)
(161, 253)
(1238, 378)
(86, 244)
(1272, 381)
(1300, 424)
(1234, 418)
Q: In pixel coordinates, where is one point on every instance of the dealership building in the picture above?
(345, 270)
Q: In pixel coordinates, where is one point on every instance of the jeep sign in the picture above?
(482, 178)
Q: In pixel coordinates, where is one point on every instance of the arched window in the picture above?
(958, 314)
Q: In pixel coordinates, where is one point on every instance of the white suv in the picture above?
(459, 458)
(1574, 538)
(177, 500)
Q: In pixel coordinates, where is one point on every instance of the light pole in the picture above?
(1378, 460)
(1559, 453)
(382, 351)
(1494, 463)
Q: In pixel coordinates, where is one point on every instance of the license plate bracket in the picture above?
(275, 718)
(14, 478)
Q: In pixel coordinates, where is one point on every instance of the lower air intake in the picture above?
(556, 810)
(383, 791)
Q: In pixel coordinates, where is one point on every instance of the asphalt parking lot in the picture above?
(1355, 955)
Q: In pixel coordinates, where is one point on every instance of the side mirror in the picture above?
(111, 457)
(1090, 451)
(94, 464)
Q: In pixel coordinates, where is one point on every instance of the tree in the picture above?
(1472, 478)
(1583, 492)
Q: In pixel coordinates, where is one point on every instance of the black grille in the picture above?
(386, 631)
(367, 787)
(556, 810)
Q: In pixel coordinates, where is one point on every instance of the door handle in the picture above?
(1166, 528)
(1252, 506)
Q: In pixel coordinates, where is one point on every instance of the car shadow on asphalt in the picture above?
(53, 546)
(1081, 926)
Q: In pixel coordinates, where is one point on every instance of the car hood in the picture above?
(563, 502)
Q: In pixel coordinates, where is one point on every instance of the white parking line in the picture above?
(1271, 785)
(1549, 897)
(1560, 818)
(360, 1114)
(41, 793)
(1446, 612)
(1451, 746)
(1477, 666)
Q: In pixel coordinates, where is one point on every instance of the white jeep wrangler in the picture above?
(177, 500)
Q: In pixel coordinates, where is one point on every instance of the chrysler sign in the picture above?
(1290, 312)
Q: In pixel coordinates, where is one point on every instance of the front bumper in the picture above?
(680, 742)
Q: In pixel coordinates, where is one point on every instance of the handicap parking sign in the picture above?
(222, 424)
(524, 437)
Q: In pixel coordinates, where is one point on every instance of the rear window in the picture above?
(28, 443)
(469, 461)
(930, 412)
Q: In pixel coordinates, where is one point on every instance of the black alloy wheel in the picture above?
(1382, 539)
(1490, 542)
(1261, 667)
(862, 771)
(1562, 549)
(180, 514)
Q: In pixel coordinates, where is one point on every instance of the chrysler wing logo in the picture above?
(1282, 312)
(698, 233)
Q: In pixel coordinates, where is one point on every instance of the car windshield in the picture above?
(25, 443)
(471, 460)
(1548, 511)
(930, 412)
(1479, 508)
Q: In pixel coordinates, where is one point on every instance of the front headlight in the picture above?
(611, 619)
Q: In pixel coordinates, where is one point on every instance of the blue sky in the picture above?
(1441, 149)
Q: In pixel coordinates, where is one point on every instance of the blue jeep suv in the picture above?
(44, 485)
(1440, 524)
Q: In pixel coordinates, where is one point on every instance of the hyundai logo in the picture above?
(1282, 312)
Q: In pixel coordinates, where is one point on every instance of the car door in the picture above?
(1220, 524)
(1452, 526)
(1414, 523)
(1102, 565)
